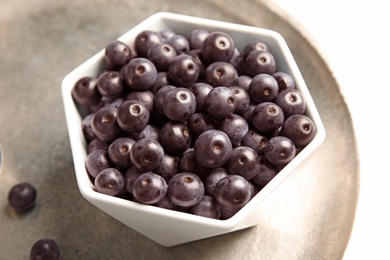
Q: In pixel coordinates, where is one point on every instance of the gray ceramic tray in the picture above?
(310, 216)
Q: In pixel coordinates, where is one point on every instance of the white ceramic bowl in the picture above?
(168, 227)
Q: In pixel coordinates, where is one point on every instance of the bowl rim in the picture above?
(78, 145)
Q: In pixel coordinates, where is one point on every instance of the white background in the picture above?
(354, 38)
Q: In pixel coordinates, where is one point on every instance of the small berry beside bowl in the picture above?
(189, 121)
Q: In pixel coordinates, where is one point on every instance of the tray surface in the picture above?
(309, 216)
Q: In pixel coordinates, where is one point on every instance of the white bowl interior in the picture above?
(175, 227)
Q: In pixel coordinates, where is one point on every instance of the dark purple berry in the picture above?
(263, 88)
(235, 127)
(241, 98)
(87, 128)
(45, 249)
(179, 104)
(220, 102)
(244, 161)
(218, 46)
(145, 40)
(291, 101)
(280, 150)
(267, 117)
(199, 123)
(161, 55)
(140, 74)
(159, 98)
(179, 43)
(185, 189)
(183, 70)
(149, 188)
(267, 172)
(197, 37)
(85, 91)
(22, 196)
(244, 81)
(175, 137)
(208, 207)
(110, 181)
(130, 176)
(110, 84)
(149, 132)
(166, 34)
(253, 46)
(97, 144)
(161, 81)
(169, 167)
(133, 116)
(189, 163)
(119, 152)
(260, 61)
(146, 97)
(211, 180)
(233, 192)
(104, 124)
(285, 81)
(221, 73)
(255, 140)
(97, 161)
(146, 154)
(200, 91)
(117, 54)
(300, 129)
(213, 148)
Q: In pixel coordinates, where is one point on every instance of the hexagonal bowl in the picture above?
(168, 227)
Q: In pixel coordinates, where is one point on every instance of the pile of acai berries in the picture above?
(190, 123)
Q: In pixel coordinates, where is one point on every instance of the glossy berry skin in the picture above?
(211, 180)
(166, 34)
(213, 148)
(244, 161)
(183, 70)
(161, 81)
(197, 37)
(280, 150)
(267, 117)
(119, 152)
(86, 128)
(179, 104)
(97, 144)
(22, 196)
(149, 188)
(45, 249)
(104, 124)
(285, 80)
(145, 40)
(161, 55)
(117, 54)
(133, 116)
(146, 154)
(263, 88)
(244, 81)
(189, 163)
(110, 84)
(267, 172)
(291, 101)
(200, 91)
(220, 102)
(235, 127)
(185, 189)
(199, 123)
(221, 73)
(146, 97)
(159, 98)
(85, 91)
(208, 207)
(179, 43)
(175, 137)
(130, 176)
(260, 61)
(253, 46)
(233, 192)
(300, 129)
(140, 74)
(169, 167)
(218, 46)
(255, 140)
(149, 132)
(242, 99)
(110, 181)
(97, 161)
